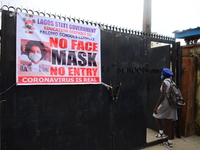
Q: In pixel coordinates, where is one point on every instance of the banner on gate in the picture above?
(52, 52)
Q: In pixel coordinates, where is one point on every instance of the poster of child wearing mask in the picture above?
(35, 57)
(56, 52)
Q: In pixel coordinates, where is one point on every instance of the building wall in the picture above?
(191, 89)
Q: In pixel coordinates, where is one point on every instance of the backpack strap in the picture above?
(170, 81)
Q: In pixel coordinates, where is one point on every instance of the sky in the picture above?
(167, 15)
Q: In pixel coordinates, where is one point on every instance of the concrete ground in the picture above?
(183, 143)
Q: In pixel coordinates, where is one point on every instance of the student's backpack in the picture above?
(174, 96)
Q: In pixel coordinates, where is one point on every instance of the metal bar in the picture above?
(178, 79)
(179, 65)
(106, 85)
(0, 125)
(111, 90)
(174, 49)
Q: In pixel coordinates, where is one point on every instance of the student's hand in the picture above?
(155, 111)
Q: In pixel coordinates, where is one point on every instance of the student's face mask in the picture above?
(35, 57)
(162, 76)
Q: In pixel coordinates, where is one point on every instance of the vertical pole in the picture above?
(147, 16)
(176, 68)
(179, 65)
(174, 62)
(147, 19)
(179, 81)
(0, 125)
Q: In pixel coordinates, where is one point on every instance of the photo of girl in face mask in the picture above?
(33, 58)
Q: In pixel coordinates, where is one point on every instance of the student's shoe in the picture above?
(168, 145)
(160, 135)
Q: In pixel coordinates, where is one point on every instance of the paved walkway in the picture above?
(183, 143)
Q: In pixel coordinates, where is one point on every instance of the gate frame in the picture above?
(175, 51)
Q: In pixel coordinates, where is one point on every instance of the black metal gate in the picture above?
(125, 70)
(59, 118)
(158, 58)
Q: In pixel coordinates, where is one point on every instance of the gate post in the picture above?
(177, 69)
(0, 125)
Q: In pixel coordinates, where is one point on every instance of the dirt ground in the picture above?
(183, 143)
